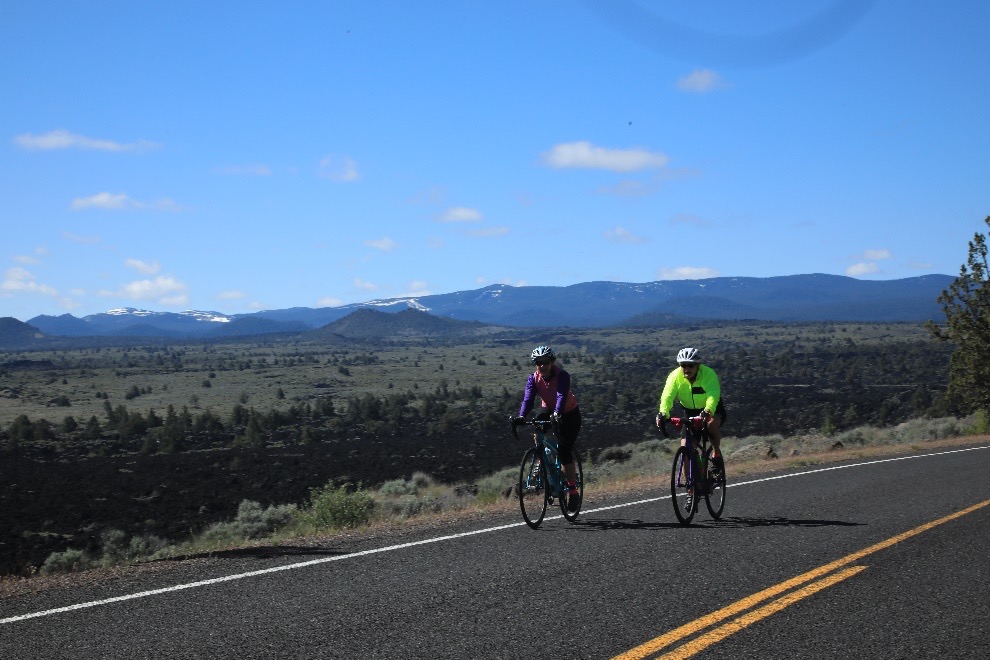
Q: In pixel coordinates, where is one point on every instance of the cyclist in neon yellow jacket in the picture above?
(696, 387)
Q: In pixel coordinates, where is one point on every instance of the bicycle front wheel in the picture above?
(715, 496)
(571, 508)
(682, 476)
(532, 488)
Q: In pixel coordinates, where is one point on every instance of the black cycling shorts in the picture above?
(719, 410)
(570, 426)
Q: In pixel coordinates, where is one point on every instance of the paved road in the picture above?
(885, 560)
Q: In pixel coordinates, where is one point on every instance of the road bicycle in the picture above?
(541, 476)
(694, 473)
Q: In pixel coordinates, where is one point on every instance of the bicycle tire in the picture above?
(571, 516)
(532, 488)
(682, 471)
(715, 494)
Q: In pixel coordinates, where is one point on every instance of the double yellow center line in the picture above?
(823, 574)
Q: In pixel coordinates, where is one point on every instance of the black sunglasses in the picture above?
(542, 363)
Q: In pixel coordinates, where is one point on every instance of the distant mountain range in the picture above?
(592, 304)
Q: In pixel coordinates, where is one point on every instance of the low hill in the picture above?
(18, 334)
(409, 323)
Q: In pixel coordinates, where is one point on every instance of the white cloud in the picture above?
(686, 273)
(587, 156)
(872, 255)
(111, 202)
(418, 288)
(142, 267)
(164, 204)
(62, 139)
(103, 200)
(338, 168)
(862, 268)
(385, 244)
(27, 260)
(700, 81)
(256, 169)
(460, 214)
(329, 302)
(179, 300)
(363, 285)
(165, 290)
(622, 235)
(19, 280)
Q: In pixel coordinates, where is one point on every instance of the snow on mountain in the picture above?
(210, 317)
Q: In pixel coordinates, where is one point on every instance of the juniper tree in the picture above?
(966, 304)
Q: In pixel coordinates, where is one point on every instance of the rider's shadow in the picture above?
(606, 524)
(776, 521)
(262, 552)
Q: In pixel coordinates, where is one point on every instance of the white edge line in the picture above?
(438, 539)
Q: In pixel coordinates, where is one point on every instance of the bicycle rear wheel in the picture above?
(715, 496)
(565, 501)
(682, 474)
(532, 488)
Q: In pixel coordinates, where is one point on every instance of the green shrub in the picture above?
(980, 424)
(397, 487)
(497, 486)
(617, 454)
(421, 480)
(251, 522)
(67, 561)
(116, 547)
(408, 506)
(331, 507)
(145, 546)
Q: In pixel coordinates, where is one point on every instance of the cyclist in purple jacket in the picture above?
(553, 386)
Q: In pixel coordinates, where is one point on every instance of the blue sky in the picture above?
(244, 156)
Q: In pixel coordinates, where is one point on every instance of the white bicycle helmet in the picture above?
(542, 351)
(688, 356)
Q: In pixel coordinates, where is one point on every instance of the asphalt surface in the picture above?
(891, 577)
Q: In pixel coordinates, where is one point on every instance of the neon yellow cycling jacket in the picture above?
(703, 393)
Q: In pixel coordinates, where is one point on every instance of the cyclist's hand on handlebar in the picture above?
(555, 417)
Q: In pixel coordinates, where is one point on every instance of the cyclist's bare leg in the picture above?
(715, 435)
(684, 470)
(570, 473)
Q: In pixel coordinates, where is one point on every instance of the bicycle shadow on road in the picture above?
(777, 522)
(262, 552)
(611, 524)
(605, 525)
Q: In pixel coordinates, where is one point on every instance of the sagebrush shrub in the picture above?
(66, 561)
(332, 507)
